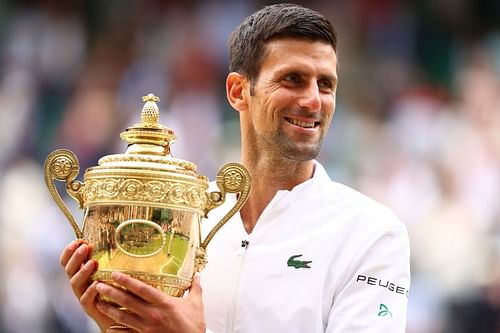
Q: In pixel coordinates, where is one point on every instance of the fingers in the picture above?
(147, 309)
(68, 252)
(195, 291)
(80, 280)
(89, 296)
(121, 316)
(120, 297)
(143, 290)
(76, 260)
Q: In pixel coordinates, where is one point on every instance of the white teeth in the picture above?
(300, 123)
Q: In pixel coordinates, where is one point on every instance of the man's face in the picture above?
(293, 99)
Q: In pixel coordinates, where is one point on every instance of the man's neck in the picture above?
(267, 180)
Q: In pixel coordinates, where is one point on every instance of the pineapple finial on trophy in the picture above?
(150, 112)
(151, 136)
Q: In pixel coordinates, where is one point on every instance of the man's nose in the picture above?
(311, 98)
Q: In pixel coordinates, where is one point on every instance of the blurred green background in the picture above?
(417, 127)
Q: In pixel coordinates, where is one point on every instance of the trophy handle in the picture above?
(62, 165)
(232, 178)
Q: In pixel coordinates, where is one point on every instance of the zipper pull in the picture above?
(244, 246)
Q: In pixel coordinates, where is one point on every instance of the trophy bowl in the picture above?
(143, 209)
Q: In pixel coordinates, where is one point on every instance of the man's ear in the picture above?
(237, 91)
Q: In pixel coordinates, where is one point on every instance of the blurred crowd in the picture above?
(417, 127)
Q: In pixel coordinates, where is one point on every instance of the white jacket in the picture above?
(322, 258)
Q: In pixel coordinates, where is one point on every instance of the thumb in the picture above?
(195, 290)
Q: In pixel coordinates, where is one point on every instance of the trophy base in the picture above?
(169, 284)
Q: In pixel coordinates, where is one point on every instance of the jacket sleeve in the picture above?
(374, 296)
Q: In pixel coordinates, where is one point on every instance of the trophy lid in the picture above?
(149, 145)
(146, 174)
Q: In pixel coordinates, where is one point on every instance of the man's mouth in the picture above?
(303, 124)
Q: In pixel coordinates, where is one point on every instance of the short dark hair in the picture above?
(247, 42)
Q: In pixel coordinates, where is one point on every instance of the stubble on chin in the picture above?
(298, 151)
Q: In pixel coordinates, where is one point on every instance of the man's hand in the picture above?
(150, 310)
(78, 267)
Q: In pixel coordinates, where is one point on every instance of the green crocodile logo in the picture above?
(292, 262)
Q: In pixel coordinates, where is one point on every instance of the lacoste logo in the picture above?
(292, 262)
(384, 311)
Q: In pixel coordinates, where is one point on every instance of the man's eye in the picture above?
(292, 78)
(325, 85)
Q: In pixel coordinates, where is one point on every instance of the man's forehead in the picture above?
(288, 38)
(289, 52)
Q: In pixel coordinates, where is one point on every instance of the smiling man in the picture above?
(305, 254)
(285, 112)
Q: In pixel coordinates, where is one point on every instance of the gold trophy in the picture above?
(143, 208)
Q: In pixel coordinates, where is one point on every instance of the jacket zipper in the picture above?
(234, 299)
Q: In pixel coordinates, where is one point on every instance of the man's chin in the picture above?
(303, 153)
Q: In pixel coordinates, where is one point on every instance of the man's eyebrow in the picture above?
(298, 71)
(285, 70)
(291, 70)
(332, 78)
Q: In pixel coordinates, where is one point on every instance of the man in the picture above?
(304, 254)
